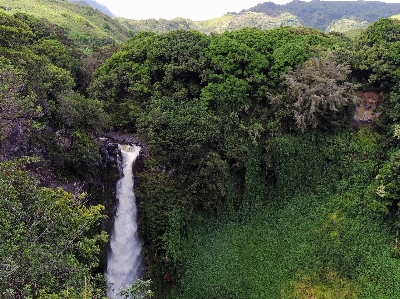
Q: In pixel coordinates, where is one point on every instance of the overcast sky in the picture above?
(195, 10)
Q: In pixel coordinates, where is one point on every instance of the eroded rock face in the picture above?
(14, 139)
(110, 151)
(63, 139)
(121, 138)
(366, 110)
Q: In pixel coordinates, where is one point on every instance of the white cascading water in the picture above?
(124, 263)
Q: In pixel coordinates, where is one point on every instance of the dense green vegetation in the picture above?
(257, 185)
(47, 244)
(255, 182)
(86, 26)
(51, 239)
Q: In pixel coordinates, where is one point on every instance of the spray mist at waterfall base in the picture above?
(124, 262)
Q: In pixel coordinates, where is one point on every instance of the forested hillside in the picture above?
(89, 28)
(86, 26)
(95, 5)
(320, 14)
(51, 239)
(228, 22)
(339, 16)
(255, 179)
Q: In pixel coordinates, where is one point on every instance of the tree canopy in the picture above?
(251, 162)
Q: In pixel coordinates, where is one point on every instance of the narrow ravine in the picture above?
(124, 263)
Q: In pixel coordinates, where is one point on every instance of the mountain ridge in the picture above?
(320, 14)
(102, 29)
(96, 5)
(339, 16)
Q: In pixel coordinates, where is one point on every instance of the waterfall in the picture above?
(124, 261)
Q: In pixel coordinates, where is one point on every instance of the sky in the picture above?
(195, 10)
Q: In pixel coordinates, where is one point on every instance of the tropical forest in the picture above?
(266, 142)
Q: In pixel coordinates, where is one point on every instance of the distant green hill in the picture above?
(88, 27)
(157, 25)
(321, 14)
(340, 16)
(232, 22)
(346, 24)
(228, 22)
(84, 23)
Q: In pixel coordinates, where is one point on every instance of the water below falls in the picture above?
(124, 262)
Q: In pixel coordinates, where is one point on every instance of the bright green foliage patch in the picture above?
(48, 243)
(329, 243)
(86, 26)
(252, 260)
(346, 24)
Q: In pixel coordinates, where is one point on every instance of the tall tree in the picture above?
(318, 95)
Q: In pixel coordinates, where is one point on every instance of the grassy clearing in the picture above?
(332, 242)
(295, 251)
